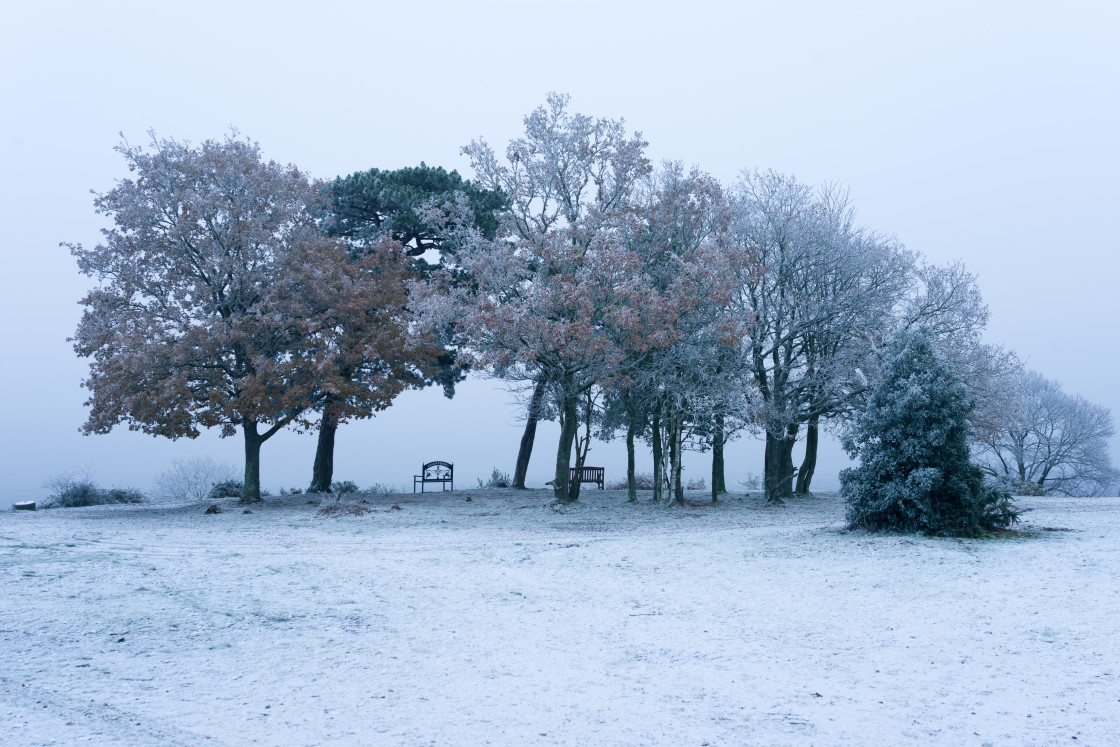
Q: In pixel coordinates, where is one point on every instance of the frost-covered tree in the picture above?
(946, 300)
(899, 292)
(825, 288)
(203, 316)
(1050, 441)
(685, 392)
(915, 473)
(563, 297)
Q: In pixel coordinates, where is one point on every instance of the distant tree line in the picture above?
(627, 299)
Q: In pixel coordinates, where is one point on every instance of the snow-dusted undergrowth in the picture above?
(504, 621)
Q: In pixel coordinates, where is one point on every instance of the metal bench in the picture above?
(593, 475)
(441, 472)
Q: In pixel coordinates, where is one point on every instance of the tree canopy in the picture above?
(368, 205)
(222, 304)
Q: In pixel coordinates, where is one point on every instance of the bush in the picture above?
(191, 479)
(751, 482)
(912, 442)
(697, 484)
(1025, 487)
(231, 489)
(227, 489)
(383, 489)
(124, 495)
(77, 489)
(498, 479)
(345, 486)
(642, 481)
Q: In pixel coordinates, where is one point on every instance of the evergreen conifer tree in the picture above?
(915, 474)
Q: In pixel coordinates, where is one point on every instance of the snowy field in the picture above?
(500, 620)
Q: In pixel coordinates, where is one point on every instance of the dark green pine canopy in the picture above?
(367, 205)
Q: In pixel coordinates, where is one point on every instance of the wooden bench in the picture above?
(593, 475)
(441, 472)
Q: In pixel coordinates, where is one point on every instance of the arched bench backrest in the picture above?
(435, 471)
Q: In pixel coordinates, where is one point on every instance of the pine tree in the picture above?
(915, 474)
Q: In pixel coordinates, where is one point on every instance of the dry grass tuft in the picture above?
(343, 509)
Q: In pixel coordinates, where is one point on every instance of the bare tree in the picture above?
(826, 286)
(946, 300)
(1050, 441)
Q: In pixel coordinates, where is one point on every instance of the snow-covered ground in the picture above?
(500, 620)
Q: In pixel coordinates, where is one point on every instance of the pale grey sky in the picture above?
(979, 131)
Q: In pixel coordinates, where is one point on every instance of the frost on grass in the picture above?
(499, 619)
(343, 509)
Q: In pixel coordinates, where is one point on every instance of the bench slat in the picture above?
(593, 475)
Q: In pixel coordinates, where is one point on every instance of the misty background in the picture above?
(985, 132)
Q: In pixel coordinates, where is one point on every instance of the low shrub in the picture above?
(642, 481)
(343, 509)
(231, 489)
(124, 495)
(71, 490)
(697, 484)
(191, 479)
(751, 482)
(1025, 487)
(498, 479)
(342, 487)
(227, 489)
(382, 488)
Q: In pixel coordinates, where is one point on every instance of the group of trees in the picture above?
(623, 299)
(228, 299)
(1048, 441)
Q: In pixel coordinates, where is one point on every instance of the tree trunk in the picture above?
(570, 418)
(676, 446)
(674, 457)
(786, 461)
(251, 492)
(631, 480)
(719, 483)
(658, 455)
(582, 447)
(770, 482)
(778, 476)
(530, 434)
(322, 473)
(809, 464)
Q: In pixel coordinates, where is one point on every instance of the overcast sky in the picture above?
(985, 132)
